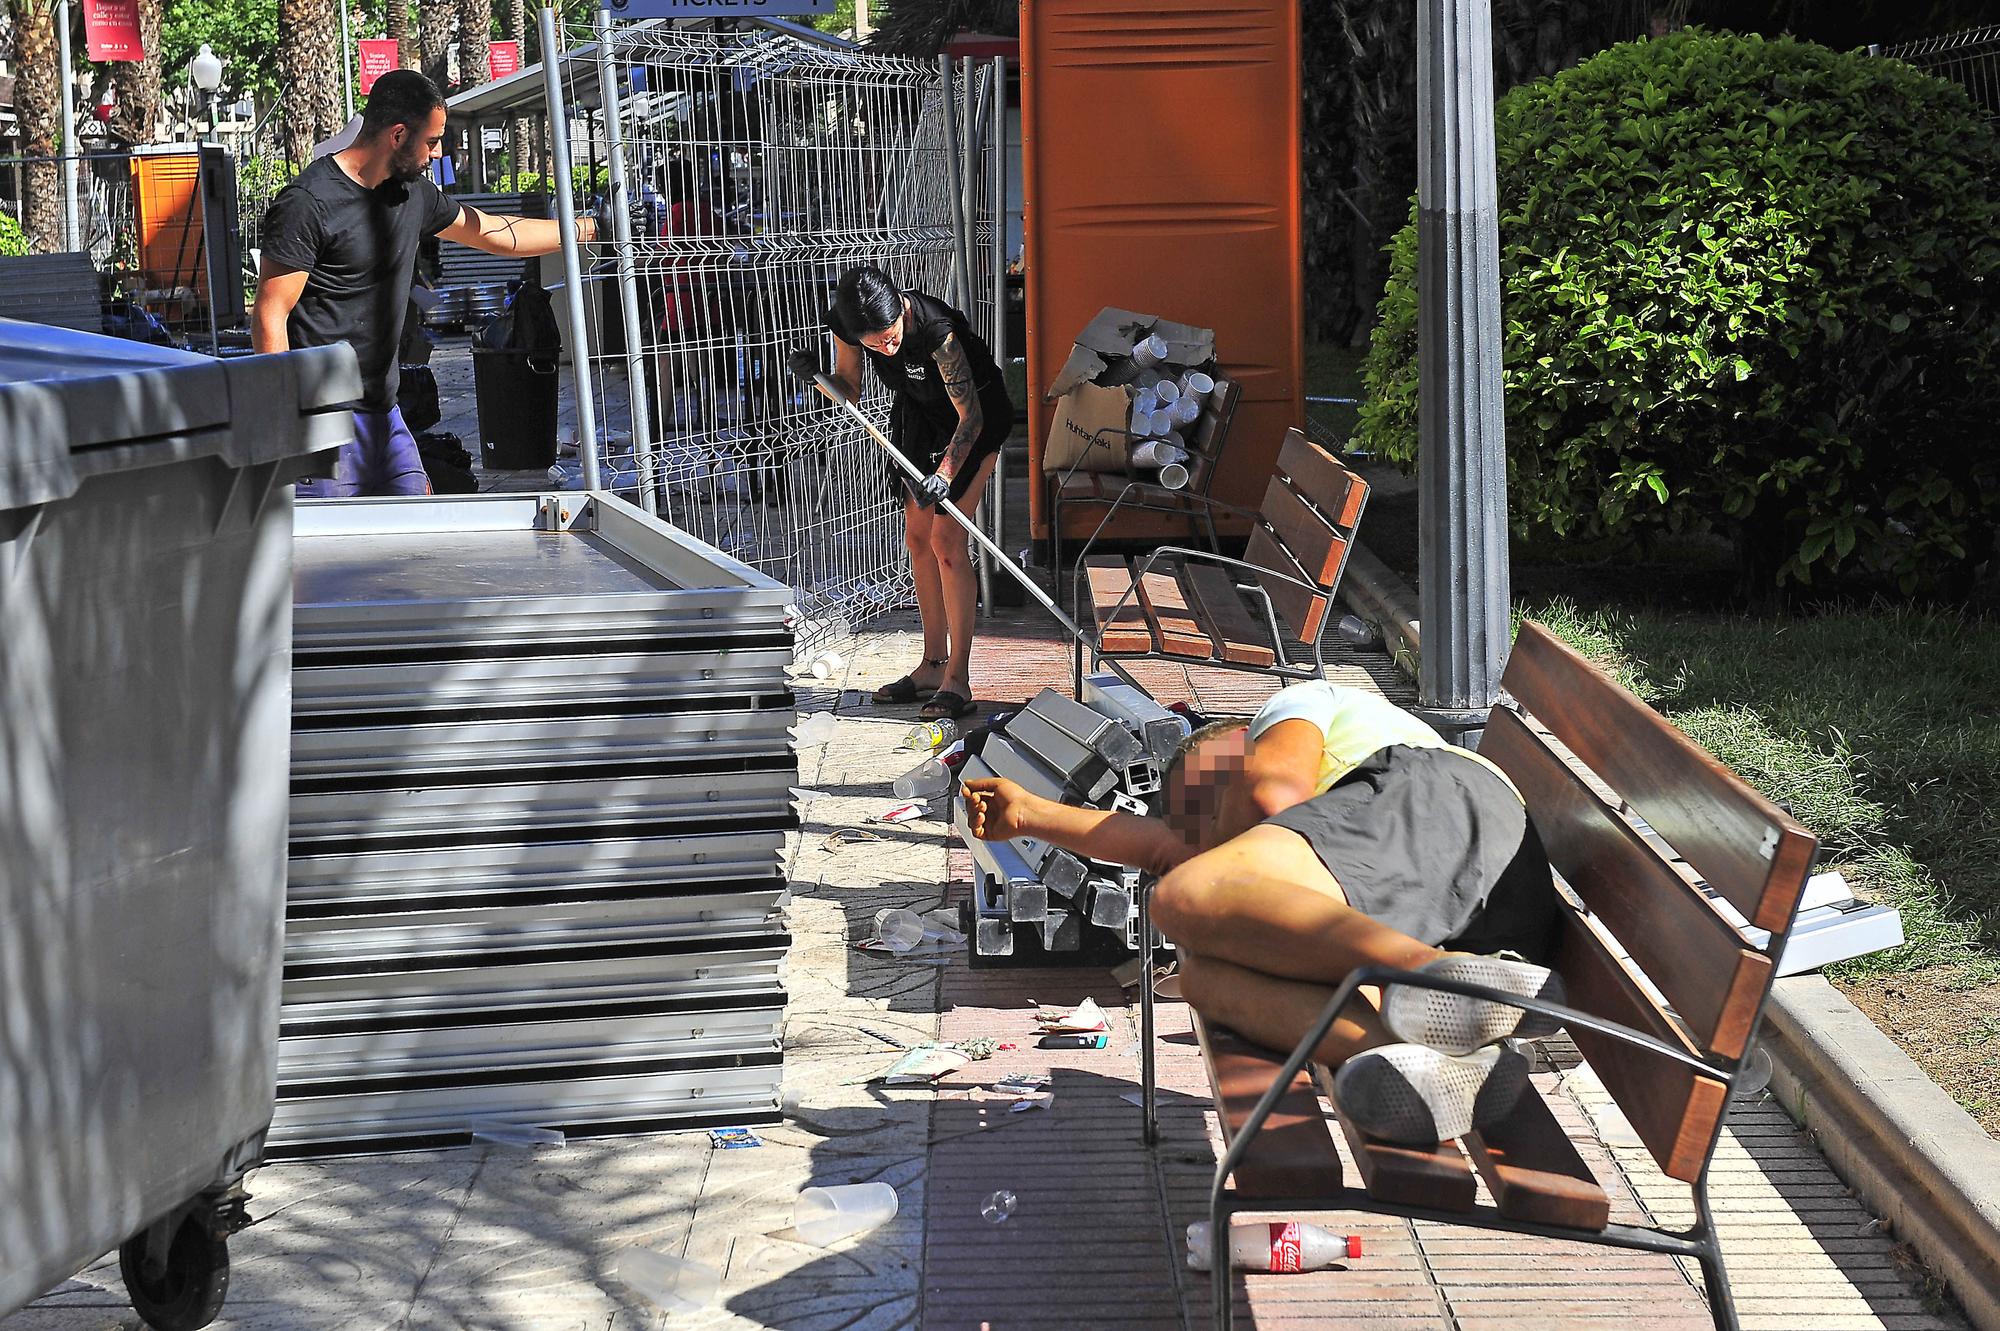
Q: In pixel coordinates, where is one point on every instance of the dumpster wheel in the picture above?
(188, 1282)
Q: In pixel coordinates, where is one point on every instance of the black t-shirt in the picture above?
(913, 371)
(359, 249)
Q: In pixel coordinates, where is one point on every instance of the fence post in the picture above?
(579, 329)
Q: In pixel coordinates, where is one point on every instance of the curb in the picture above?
(1906, 1148)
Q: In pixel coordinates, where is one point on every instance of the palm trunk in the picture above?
(38, 104)
(297, 71)
(138, 83)
(434, 25)
(396, 26)
(520, 127)
(475, 32)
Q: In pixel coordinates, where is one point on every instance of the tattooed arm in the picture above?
(958, 385)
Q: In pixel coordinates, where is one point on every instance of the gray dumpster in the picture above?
(541, 781)
(145, 622)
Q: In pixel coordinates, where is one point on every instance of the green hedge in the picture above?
(1749, 285)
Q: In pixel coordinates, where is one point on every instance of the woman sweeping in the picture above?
(951, 415)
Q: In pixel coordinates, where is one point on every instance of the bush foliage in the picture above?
(1750, 285)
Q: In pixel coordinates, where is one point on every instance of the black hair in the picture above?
(866, 300)
(680, 181)
(400, 97)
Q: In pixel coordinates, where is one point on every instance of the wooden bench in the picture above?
(1666, 993)
(1267, 611)
(1082, 503)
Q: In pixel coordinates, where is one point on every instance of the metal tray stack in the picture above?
(540, 790)
(1032, 901)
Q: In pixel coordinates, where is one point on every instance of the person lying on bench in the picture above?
(1335, 830)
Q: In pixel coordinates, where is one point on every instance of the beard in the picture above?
(408, 164)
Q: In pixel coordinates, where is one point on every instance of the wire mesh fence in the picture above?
(759, 168)
(1970, 58)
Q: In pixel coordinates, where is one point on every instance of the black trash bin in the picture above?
(516, 392)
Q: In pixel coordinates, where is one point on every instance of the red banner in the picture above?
(378, 57)
(111, 30)
(502, 59)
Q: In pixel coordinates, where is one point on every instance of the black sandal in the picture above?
(906, 689)
(946, 705)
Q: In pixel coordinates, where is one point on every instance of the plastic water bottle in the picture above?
(930, 736)
(1279, 1246)
(899, 929)
(997, 1208)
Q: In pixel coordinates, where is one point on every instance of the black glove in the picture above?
(804, 364)
(930, 491)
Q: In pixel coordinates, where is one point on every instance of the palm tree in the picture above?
(308, 43)
(396, 25)
(475, 32)
(138, 83)
(434, 24)
(38, 105)
(519, 128)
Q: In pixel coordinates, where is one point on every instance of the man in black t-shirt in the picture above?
(950, 417)
(340, 248)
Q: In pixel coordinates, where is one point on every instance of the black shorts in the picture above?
(1435, 846)
(923, 441)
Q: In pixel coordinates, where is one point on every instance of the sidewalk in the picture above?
(490, 1238)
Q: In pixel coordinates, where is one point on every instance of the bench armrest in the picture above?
(1384, 975)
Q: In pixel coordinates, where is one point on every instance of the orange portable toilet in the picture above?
(1160, 163)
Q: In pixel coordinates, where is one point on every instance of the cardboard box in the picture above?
(1102, 353)
(1087, 432)
(1093, 404)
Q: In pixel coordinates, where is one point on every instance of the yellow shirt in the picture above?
(1356, 723)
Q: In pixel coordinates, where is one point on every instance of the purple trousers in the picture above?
(382, 460)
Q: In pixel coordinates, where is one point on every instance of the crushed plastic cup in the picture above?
(899, 929)
(518, 1136)
(996, 1209)
(674, 1283)
(825, 1216)
(817, 728)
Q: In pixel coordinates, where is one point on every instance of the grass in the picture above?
(1879, 728)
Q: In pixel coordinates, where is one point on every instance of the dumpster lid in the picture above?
(74, 404)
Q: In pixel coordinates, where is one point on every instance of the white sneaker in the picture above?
(1457, 1024)
(1413, 1095)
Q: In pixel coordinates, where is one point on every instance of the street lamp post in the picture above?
(206, 71)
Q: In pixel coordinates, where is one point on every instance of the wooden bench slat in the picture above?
(1310, 540)
(1439, 1178)
(1741, 843)
(1673, 1108)
(1238, 636)
(1293, 1154)
(1711, 976)
(1180, 634)
(1331, 484)
(1301, 610)
(1534, 1172)
(1127, 630)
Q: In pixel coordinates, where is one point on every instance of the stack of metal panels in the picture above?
(1105, 751)
(540, 791)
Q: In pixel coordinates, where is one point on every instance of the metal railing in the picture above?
(1970, 58)
(759, 167)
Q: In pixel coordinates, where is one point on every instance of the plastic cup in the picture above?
(1173, 476)
(825, 1216)
(1184, 410)
(673, 1283)
(898, 928)
(1195, 383)
(1150, 350)
(1167, 391)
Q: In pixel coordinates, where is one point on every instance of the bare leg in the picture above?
(1276, 1013)
(949, 547)
(917, 536)
(1264, 901)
